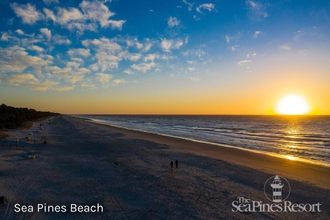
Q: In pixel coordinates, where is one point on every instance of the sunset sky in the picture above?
(164, 57)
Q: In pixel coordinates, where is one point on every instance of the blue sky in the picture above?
(120, 47)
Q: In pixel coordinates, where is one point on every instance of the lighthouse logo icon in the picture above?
(277, 188)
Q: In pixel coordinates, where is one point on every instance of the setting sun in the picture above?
(293, 105)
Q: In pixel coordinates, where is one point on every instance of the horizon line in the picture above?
(156, 114)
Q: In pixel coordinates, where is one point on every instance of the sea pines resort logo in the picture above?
(277, 190)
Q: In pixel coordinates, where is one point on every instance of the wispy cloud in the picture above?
(20, 32)
(77, 60)
(71, 73)
(166, 57)
(58, 39)
(297, 35)
(151, 57)
(256, 34)
(233, 48)
(28, 13)
(190, 5)
(105, 61)
(103, 44)
(194, 79)
(107, 53)
(16, 59)
(46, 85)
(22, 79)
(143, 46)
(97, 11)
(79, 52)
(128, 72)
(119, 81)
(83, 19)
(46, 32)
(243, 62)
(5, 37)
(29, 80)
(65, 88)
(256, 10)
(168, 45)
(210, 7)
(198, 53)
(134, 57)
(143, 67)
(285, 47)
(173, 22)
(76, 75)
(312, 32)
(251, 54)
(88, 85)
(103, 77)
(129, 56)
(48, 2)
(147, 46)
(69, 17)
(49, 14)
(36, 48)
(228, 39)
(232, 38)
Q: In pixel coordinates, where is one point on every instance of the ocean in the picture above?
(293, 137)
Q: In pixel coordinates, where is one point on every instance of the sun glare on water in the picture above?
(293, 105)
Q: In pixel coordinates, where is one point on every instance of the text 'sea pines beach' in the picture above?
(47, 208)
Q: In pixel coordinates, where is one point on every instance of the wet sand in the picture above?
(128, 173)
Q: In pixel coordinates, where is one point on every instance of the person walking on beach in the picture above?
(176, 164)
(171, 165)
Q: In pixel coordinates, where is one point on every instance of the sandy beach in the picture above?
(128, 174)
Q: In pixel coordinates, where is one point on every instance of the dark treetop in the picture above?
(11, 117)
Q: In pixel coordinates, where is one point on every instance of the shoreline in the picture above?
(305, 171)
(272, 154)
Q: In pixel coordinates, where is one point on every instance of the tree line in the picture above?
(11, 117)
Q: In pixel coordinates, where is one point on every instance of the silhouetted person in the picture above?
(171, 164)
(176, 164)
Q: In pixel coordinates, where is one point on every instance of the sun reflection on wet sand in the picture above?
(290, 157)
